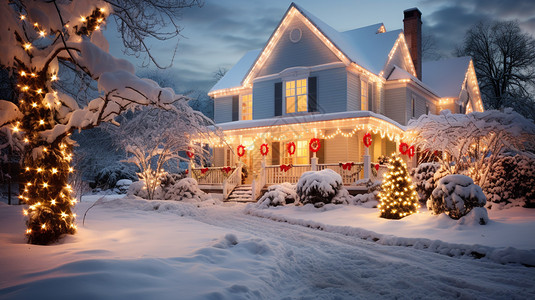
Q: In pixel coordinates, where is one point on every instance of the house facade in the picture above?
(312, 83)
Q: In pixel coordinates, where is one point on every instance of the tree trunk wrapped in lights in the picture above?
(39, 36)
(398, 197)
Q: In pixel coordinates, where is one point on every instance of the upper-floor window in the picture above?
(247, 107)
(296, 96)
(364, 95)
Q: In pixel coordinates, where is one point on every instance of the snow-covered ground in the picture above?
(136, 249)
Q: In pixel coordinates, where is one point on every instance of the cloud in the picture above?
(450, 20)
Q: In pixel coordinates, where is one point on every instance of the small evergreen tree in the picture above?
(398, 197)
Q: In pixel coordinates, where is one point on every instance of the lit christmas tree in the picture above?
(398, 197)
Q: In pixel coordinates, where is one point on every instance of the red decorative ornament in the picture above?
(377, 167)
(314, 145)
(204, 170)
(241, 150)
(347, 166)
(227, 169)
(411, 151)
(190, 153)
(285, 168)
(187, 171)
(291, 148)
(367, 140)
(264, 149)
(403, 148)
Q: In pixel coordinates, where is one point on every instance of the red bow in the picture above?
(227, 169)
(285, 168)
(204, 170)
(347, 166)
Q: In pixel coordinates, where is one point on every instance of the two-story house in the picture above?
(312, 81)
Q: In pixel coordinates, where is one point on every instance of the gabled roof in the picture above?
(446, 76)
(368, 47)
(234, 76)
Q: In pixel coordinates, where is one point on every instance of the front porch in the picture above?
(265, 152)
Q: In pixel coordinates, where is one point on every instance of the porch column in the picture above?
(314, 163)
(367, 162)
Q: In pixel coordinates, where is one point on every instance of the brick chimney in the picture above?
(412, 28)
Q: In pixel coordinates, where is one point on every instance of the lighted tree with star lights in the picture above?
(398, 196)
(38, 39)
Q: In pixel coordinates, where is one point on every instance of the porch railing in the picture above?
(378, 176)
(349, 175)
(274, 174)
(258, 184)
(211, 175)
(231, 182)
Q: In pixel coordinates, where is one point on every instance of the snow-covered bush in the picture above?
(108, 177)
(511, 181)
(121, 187)
(319, 187)
(185, 189)
(471, 143)
(456, 195)
(424, 180)
(280, 194)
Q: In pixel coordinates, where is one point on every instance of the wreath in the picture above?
(241, 150)
(403, 148)
(314, 145)
(367, 140)
(264, 149)
(291, 148)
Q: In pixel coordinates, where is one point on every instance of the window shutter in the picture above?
(312, 94)
(235, 108)
(278, 99)
(275, 153)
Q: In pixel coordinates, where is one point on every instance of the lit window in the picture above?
(363, 95)
(296, 96)
(247, 107)
(301, 155)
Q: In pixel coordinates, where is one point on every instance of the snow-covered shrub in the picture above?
(319, 187)
(456, 195)
(280, 194)
(424, 180)
(186, 189)
(121, 187)
(108, 177)
(511, 181)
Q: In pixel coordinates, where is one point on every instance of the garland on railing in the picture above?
(285, 168)
(346, 166)
(227, 170)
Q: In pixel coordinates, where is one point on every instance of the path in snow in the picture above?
(318, 264)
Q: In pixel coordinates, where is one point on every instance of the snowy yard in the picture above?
(137, 249)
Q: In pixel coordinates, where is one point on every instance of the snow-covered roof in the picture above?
(305, 119)
(364, 46)
(400, 73)
(235, 75)
(446, 76)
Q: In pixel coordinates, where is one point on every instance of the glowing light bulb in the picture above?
(22, 73)
(83, 19)
(22, 17)
(27, 46)
(41, 122)
(54, 77)
(54, 170)
(42, 33)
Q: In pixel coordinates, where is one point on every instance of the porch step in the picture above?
(242, 193)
